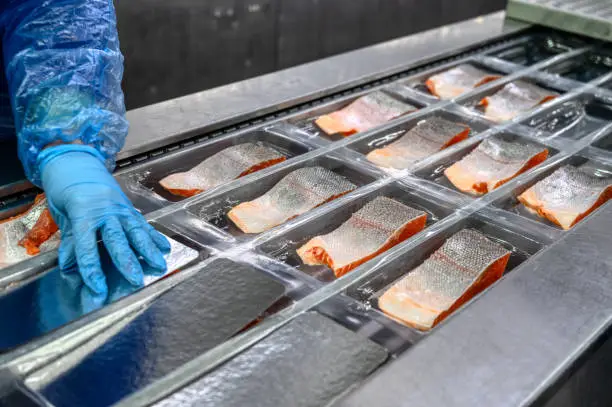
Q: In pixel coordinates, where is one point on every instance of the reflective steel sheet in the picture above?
(191, 318)
(57, 298)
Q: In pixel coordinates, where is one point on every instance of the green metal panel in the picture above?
(592, 18)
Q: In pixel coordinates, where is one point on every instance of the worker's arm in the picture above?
(64, 71)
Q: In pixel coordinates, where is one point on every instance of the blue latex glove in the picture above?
(86, 202)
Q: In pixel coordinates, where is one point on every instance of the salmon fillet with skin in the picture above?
(513, 99)
(28, 234)
(457, 81)
(224, 166)
(465, 265)
(42, 231)
(567, 196)
(426, 138)
(493, 163)
(364, 113)
(375, 228)
(297, 193)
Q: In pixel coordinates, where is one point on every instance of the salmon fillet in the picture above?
(493, 163)
(224, 166)
(375, 228)
(426, 138)
(295, 194)
(567, 196)
(513, 99)
(28, 234)
(363, 114)
(458, 80)
(465, 265)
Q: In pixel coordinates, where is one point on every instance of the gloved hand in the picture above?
(86, 201)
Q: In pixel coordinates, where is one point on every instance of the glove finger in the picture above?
(91, 301)
(160, 240)
(65, 255)
(121, 253)
(142, 242)
(88, 260)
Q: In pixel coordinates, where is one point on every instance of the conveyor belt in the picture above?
(574, 128)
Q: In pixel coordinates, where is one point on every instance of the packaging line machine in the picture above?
(238, 320)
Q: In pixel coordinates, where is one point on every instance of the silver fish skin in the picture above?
(508, 152)
(364, 113)
(568, 193)
(443, 278)
(426, 138)
(365, 232)
(515, 98)
(12, 231)
(385, 106)
(224, 166)
(297, 193)
(494, 161)
(458, 80)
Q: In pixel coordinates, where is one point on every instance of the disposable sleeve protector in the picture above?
(64, 70)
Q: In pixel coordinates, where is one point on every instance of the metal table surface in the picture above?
(174, 120)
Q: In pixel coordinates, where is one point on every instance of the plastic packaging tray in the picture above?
(283, 246)
(359, 310)
(435, 171)
(141, 183)
(537, 48)
(350, 300)
(589, 165)
(306, 121)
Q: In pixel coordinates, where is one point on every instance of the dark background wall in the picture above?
(177, 47)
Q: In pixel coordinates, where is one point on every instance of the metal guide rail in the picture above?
(60, 353)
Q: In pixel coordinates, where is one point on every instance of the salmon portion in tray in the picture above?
(297, 193)
(458, 80)
(224, 166)
(567, 196)
(494, 162)
(28, 234)
(363, 114)
(513, 99)
(426, 138)
(466, 264)
(375, 228)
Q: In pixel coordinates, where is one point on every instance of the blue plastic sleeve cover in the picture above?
(64, 70)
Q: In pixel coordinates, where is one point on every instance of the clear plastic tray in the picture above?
(521, 246)
(605, 142)
(537, 48)
(214, 210)
(379, 139)
(283, 247)
(138, 182)
(472, 101)
(585, 68)
(574, 118)
(510, 201)
(417, 82)
(435, 171)
(306, 120)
